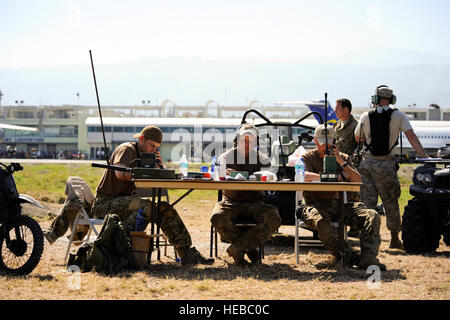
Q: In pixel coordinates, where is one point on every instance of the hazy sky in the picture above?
(54, 33)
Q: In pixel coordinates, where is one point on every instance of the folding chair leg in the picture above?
(296, 249)
(66, 257)
(216, 249)
(211, 242)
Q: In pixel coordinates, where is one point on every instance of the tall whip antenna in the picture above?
(99, 109)
(326, 120)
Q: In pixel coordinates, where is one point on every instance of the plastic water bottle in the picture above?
(140, 224)
(299, 170)
(213, 167)
(223, 169)
(184, 165)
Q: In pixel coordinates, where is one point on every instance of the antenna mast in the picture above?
(99, 109)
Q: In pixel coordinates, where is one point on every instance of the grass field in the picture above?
(317, 276)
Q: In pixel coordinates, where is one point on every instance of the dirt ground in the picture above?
(317, 276)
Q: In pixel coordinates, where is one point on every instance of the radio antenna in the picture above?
(99, 109)
(326, 120)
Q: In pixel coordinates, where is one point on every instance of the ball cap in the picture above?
(319, 134)
(151, 132)
(384, 92)
(248, 129)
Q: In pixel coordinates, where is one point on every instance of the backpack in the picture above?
(379, 132)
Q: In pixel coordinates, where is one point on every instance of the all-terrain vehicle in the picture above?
(427, 216)
(21, 237)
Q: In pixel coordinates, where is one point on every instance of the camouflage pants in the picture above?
(127, 208)
(226, 213)
(379, 178)
(319, 215)
(65, 219)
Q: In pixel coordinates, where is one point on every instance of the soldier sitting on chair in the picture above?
(241, 205)
(115, 195)
(319, 209)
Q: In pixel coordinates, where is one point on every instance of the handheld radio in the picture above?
(329, 173)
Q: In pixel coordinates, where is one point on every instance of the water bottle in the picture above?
(184, 165)
(223, 169)
(299, 170)
(140, 223)
(213, 167)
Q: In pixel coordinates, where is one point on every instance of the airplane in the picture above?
(433, 135)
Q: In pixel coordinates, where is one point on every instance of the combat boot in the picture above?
(50, 236)
(192, 256)
(353, 232)
(396, 243)
(353, 258)
(237, 254)
(367, 261)
(254, 256)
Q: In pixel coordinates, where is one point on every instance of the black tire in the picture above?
(416, 233)
(28, 248)
(447, 235)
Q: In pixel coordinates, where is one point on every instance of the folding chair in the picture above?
(82, 218)
(77, 190)
(303, 241)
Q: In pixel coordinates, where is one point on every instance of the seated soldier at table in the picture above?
(319, 209)
(115, 195)
(239, 205)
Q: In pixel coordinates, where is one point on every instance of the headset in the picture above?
(376, 98)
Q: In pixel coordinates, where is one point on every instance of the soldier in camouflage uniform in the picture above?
(345, 127)
(245, 205)
(115, 196)
(379, 173)
(319, 209)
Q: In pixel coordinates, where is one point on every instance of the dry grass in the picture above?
(279, 277)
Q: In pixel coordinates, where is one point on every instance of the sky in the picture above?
(55, 33)
(51, 33)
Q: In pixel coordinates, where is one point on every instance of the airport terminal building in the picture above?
(72, 130)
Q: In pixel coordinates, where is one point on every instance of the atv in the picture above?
(427, 215)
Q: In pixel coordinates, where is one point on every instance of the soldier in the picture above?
(245, 205)
(345, 127)
(379, 129)
(319, 209)
(115, 195)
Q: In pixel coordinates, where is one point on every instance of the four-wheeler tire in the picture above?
(416, 230)
(447, 235)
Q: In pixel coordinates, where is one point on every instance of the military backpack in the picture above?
(379, 132)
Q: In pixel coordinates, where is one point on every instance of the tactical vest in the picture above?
(379, 132)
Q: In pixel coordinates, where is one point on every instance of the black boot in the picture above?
(192, 256)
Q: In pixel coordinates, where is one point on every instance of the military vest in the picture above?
(379, 132)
